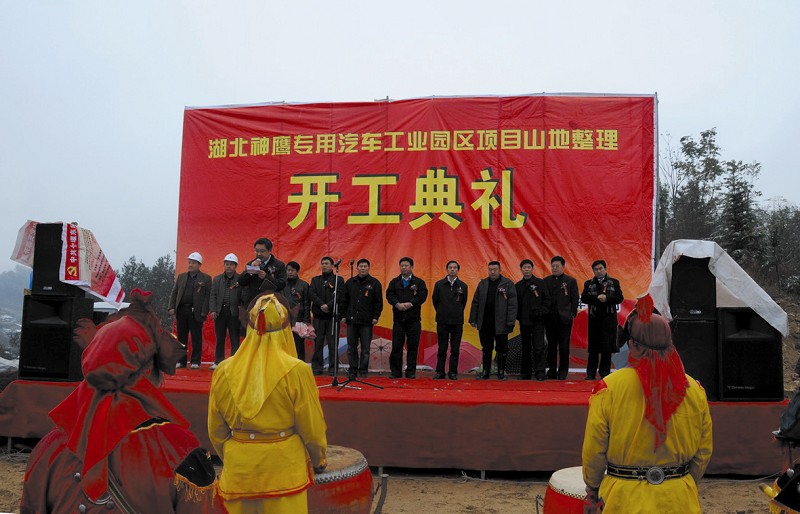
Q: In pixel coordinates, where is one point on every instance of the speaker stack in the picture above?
(49, 315)
(693, 303)
(733, 352)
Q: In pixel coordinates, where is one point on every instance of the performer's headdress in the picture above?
(657, 363)
(265, 356)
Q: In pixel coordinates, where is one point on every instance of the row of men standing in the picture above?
(541, 306)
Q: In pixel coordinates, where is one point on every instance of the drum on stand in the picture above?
(345, 487)
(565, 492)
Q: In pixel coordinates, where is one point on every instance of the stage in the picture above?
(469, 424)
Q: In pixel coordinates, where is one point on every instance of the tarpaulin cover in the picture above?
(735, 288)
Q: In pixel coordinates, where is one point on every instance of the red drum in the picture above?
(565, 492)
(345, 487)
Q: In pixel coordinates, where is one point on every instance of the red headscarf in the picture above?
(658, 365)
(121, 366)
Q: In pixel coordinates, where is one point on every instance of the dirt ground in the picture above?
(453, 492)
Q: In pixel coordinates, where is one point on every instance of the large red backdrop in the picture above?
(471, 179)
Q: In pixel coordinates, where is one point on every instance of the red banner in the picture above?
(470, 179)
(83, 263)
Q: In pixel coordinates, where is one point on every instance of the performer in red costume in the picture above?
(119, 445)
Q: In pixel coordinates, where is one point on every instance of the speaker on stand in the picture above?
(750, 357)
(693, 290)
(50, 313)
(46, 261)
(696, 343)
(47, 351)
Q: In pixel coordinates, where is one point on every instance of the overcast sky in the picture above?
(92, 92)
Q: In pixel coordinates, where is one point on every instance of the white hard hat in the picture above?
(195, 256)
(231, 257)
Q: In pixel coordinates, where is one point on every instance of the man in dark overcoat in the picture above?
(494, 313)
(603, 295)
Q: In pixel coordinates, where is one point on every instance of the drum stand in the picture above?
(335, 333)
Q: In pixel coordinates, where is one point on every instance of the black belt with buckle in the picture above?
(654, 475)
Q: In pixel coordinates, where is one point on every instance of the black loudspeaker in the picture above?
(693, 290)
(696, 343)
(46, 349)
(46, 261)
(751, 357)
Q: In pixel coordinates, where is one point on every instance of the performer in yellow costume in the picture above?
(265, 420)
(649, 428)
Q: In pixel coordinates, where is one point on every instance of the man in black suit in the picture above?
(321, 293)
(406, 293)
(534, 302)
(296, 293)
(564, 298)
(493, 313)
(363, 299)
(188, 302)
(449, 299)
(264, 274)
(603, 295)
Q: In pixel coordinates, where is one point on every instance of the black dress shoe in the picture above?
(452, 376)
(590, 377)
(552, 376)
(482, 376)
(438, 376)
(525, 377)
(562, 378)
(395, 376)
(411, 375)
(540, 377)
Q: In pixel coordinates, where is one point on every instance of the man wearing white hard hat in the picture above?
(189, 304)
(226, 296)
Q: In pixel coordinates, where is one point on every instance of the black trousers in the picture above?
(404, 333)
(187, 325)
(323, 327)
(489, 342)
(358, 335)
(558, 334)
(448, 335)
(534, 349)
(300, 346)
(604, 361)
(230, 324)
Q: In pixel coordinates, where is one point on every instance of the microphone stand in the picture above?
(335, 334)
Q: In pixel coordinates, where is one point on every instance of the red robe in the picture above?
(159, 467)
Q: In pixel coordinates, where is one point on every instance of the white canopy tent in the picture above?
(735, 288)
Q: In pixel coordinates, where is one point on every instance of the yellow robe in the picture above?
(254, 472)
(617, 432)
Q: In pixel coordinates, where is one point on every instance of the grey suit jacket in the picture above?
(200, 296)
(218, 294)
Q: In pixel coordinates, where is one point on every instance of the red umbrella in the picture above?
(469, 358)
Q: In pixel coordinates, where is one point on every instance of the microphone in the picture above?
(336, 264)
(352, 261)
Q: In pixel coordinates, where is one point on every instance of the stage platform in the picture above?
(485, 425)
